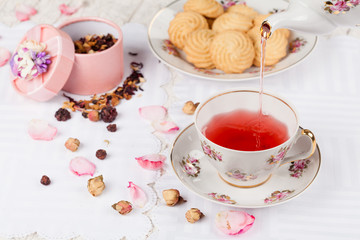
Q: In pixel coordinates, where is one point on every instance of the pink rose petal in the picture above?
(234, 222)
(165, 126)
(153, 113)
(4, 56)
(22, 16)
(138, 196)
(151, 161)
(26, 9)
(23, 12)
(82, 166)
(66, 10)
(41, 130)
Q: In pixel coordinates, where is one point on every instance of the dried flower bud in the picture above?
(96, 185)
(93, 116)
(101, 154)
(108, 114)
(111, 127)
(193, 215)
(45, 180)
(72, 144)
(123, 207)
(171, 196)
(62, 114)
(190, 107)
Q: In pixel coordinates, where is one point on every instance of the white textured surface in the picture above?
(324, 88)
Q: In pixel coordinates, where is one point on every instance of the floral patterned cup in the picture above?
(251, 168)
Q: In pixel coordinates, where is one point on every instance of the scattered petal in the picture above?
(82, 166)
(165, 126)
(23, 12)
(26, 9)
(151, 161)
(153, 113)
(22, 17)
(138, 196)
(4, 56)
(41, 130)
(234, 222)
(66, 10)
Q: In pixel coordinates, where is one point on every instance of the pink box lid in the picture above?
(60, 47)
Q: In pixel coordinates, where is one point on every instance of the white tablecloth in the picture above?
(324, 88)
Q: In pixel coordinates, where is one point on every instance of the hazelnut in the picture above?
(93, 116)
(96, 185)
(72, 144)
(193, 215)
(123, 207)
(45, 180)
(190, 107)
(171, 196)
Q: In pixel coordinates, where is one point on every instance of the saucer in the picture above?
(288, 182)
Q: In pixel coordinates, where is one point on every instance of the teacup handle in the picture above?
(306, 154)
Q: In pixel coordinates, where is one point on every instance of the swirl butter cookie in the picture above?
(243, 10)
(183, 24)
(232, 51)
(232, 21)
(284, 31)
(208, 8)
(197, 48)
(276, 47)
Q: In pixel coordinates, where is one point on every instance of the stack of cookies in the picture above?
(227, 40)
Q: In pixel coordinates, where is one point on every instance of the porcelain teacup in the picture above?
(251, 168)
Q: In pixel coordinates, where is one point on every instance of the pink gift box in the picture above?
(83, 74)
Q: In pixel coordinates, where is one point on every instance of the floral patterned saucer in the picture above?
(300, 44)
(196, 173)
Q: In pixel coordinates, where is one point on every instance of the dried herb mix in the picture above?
(94, 43)
(103, 107)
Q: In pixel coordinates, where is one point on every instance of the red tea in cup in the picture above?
(245, 130)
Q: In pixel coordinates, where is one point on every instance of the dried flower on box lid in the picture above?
(30, 60)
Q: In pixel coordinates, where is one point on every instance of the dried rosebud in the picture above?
(123, 207)
(62, 114)
(111, 127)
(96, 185)
(190, 107)
(72, 144)
(101, 154)
(171, 196)
(108, 114)
(193, 215)
(93, 116)
(45, 180)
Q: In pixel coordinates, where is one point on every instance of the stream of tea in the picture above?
(265, 33)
